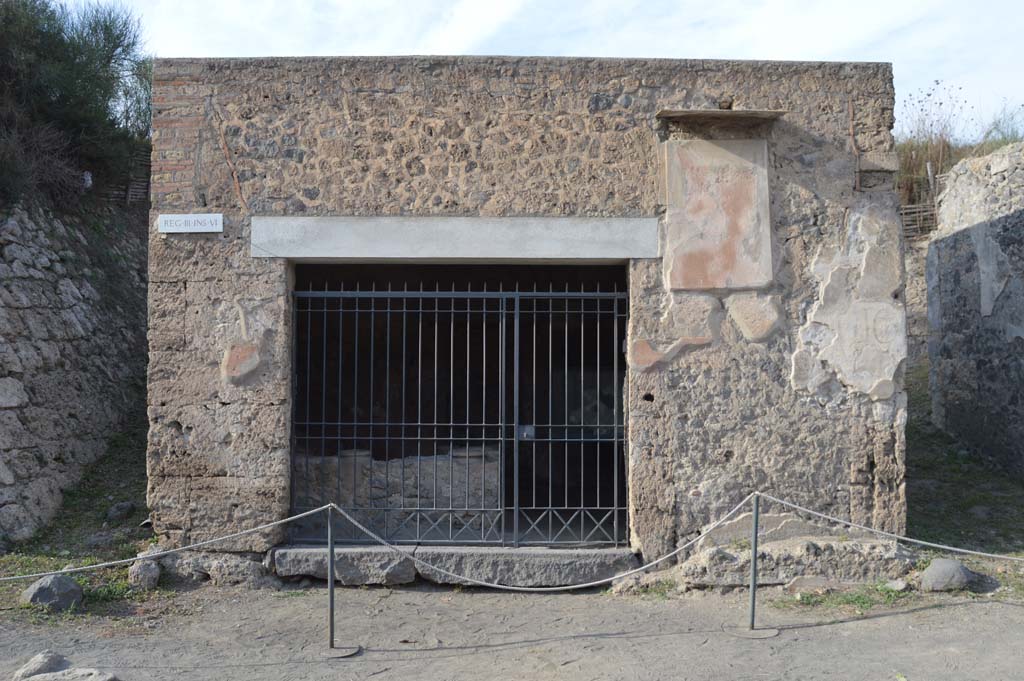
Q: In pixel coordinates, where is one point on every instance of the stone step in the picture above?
(525, 566)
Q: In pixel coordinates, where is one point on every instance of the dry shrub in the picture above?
(35, 161)
(940, 128)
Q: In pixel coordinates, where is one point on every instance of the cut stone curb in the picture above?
(514, 567)
(352, 565)
(525, 567)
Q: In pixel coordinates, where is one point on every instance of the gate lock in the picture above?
(527, 432)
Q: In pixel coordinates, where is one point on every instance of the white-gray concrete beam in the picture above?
(455, 239)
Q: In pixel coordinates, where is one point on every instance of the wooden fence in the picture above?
(135, 187)
(918, 219)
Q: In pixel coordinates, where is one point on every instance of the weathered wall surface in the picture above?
(976, 307)
(778, 368)
(72, 351)
(915, 256)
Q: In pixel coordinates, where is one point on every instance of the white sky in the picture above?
(974, 44)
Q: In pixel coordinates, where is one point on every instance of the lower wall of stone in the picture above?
(72, 351)
(976, 346)
(795, 391)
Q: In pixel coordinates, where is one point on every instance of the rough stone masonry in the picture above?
(975, 274)
(766, 343)
(72, 351)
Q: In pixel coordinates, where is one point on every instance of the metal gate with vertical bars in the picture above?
(461, 416)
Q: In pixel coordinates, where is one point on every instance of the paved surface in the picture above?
(426, 632)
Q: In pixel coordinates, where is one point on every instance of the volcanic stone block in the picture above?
(352, 564)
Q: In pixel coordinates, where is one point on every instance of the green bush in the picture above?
(74, 96)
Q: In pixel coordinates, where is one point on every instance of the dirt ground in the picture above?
(430, 632)
(427, 632)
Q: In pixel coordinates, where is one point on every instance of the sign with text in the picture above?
(192, 222)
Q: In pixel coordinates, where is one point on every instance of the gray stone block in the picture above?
(944, 574)
(56, 593)
(144, 574)
(44, 663)
(352, 564)
(524, 566)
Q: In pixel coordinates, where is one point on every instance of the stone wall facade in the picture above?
(766, 345)
(72, 351)
(976, 307)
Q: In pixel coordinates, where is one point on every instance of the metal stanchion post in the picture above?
(330, 579)
(751, 631)
(753, 559)
(332, 648)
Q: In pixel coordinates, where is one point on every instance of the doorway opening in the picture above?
(461, 404)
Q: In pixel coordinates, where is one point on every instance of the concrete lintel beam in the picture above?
(455, 239)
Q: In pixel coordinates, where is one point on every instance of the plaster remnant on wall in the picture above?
(717, 229)
(993, 269)
(691, 320)
(856, 331)
(240, 360)
(756, 315)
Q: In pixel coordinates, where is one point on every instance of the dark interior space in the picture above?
(463, 403)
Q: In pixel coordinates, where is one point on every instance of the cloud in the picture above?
(973, 45)
(467, 25)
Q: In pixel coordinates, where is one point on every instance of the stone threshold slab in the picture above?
(526, 566)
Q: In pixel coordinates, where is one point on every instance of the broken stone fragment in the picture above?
(756, 315)
(643, 355)
(945, 574)
(144, 575)
(56, 593)
(45, 662)
(51, 666)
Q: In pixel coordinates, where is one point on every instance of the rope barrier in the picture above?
(161, 554)
(540, 589)
(506, 587)
(890, 535)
